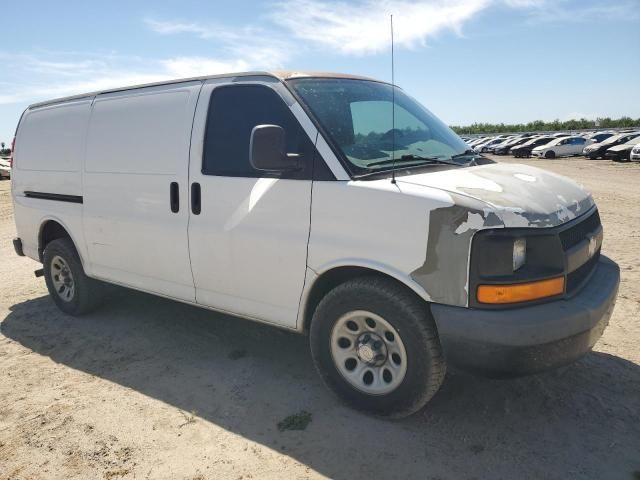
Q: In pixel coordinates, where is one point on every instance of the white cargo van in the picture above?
(296, 200)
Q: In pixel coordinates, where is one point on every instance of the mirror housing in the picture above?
(267, 150)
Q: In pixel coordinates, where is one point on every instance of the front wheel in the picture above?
(71, 290)
(375, 344)
(550, 154)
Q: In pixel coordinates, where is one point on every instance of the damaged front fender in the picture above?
(445, 271)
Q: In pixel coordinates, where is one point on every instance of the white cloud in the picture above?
(525, 3)
(363, 27)
(58, 75)
(196, 66)
(169, 27)
(257, 46)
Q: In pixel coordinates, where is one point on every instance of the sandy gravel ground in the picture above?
(148, 388)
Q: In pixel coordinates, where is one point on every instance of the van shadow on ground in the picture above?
(581, 421)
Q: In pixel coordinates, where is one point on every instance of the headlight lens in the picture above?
(519, 253)
(513, 256)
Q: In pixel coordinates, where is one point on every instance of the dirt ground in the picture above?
(149, 388)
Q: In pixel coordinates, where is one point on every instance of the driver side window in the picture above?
(234, 110)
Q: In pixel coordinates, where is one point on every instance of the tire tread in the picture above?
(413, 308)
(89, 292)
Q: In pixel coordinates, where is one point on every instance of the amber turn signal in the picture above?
(520, 292)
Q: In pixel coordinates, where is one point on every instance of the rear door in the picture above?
(248, 230)
(577, 144)
(135, 188)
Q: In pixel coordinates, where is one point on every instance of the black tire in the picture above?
(87, 291)
(409, 316)
(550, 154)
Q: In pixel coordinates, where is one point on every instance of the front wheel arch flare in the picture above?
(336, 276)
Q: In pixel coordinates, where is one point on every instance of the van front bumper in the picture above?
(520, 341)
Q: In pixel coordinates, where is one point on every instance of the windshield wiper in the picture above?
(466, 153)
(476, 158)
(412, 158)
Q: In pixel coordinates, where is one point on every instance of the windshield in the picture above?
(357, 114)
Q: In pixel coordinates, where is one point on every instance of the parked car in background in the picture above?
(478, 145)
(504, 147)
(480, 140)
(599, 136)
(5, 168)
(597, 150)
(560, 147)
(475, 141)
(487, 146)
(622, 152)
(635, 154)
(524, 149)
(491, 148)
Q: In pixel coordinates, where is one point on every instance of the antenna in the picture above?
(393, 112)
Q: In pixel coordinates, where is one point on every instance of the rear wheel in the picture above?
(71, 290)
(550, 154)
(376, 346)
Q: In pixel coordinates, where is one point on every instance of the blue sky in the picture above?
(466, 60)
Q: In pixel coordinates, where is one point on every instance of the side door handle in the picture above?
(174, 197)
(195, 198)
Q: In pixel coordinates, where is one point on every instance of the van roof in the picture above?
(279, 74)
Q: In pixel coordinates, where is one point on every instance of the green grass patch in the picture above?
(299, 421)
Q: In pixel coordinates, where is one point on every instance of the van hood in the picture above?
(519, 195)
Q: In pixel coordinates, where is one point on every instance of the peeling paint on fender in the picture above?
(522, 196)
(445, 273)
(488, 196)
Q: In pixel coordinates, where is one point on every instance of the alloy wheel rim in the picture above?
(62, 278)
(368, 352)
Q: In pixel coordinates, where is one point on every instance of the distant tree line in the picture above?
(541, 126)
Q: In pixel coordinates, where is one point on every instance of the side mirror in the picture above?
(267, 150)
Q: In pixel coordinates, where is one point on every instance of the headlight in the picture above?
(513, 256)
(519, 253)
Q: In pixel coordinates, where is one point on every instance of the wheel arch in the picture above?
(52, 228)
(334, 275)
